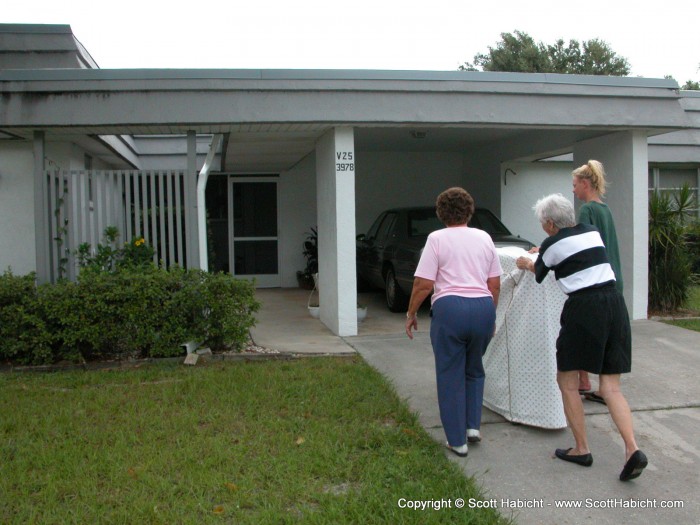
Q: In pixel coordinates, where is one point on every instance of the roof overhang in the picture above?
(274, 117)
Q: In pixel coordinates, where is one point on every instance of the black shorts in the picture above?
(595, 333)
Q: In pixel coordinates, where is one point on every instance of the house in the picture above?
(281, 151)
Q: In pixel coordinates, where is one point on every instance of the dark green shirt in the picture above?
(598, 214)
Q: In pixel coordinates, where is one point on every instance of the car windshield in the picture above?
(423, 222)
(487, 221)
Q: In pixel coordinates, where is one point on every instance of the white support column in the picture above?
(625, 158)
(335, 202)
(41, 213)
(191, 232)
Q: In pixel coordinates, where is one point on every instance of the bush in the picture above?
(228, 311)
(105, 257)
(692, 238)
(126, 312)
(24, 335)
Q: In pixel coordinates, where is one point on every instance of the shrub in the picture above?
(692, 237)
(24, 335)
(127, 312)
(105, 257)
(228, 318)
(115, 314)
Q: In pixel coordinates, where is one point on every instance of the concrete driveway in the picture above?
(514, 463)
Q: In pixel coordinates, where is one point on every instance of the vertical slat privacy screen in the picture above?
(148, 204)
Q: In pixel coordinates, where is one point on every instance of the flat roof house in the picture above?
(82, 148)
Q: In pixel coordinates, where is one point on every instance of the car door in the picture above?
(412, 230)
(378, 245)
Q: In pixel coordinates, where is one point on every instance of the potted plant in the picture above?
(315, 310)
(305, 277)
(361, 312)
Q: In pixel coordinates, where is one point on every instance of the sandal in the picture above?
(592, 396)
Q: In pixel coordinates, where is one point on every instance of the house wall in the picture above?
(17, 248)
(297, 215)
(395, 179)
(520, 191)
(481, 178)
(383, 180)
(69, 156)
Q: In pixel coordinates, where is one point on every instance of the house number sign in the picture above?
(344, 161)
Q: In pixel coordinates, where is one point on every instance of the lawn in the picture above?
(692, 306)
(315, 440)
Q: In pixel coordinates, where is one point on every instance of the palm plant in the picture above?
(669, 261)
(305, 277)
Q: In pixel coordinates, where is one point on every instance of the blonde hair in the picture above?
(594, 172)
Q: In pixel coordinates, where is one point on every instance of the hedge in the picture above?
(130, 312)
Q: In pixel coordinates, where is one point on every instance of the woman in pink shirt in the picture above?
(461, 267)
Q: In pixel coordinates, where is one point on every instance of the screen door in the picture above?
(254, 242)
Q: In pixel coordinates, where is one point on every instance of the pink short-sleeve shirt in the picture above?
(459, 260)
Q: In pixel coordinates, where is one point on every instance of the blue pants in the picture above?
(460, 331)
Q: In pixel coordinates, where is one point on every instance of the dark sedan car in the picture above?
(387, 255)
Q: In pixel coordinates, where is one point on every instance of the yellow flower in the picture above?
(139, 242)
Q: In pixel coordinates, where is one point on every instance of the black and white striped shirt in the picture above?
(578, 258)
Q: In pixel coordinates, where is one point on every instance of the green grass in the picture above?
(318, 440)
(693, 305)
(693, 302)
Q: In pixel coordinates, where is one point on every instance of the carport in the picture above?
(341, 146)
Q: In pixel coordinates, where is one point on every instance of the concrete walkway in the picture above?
(515, 463)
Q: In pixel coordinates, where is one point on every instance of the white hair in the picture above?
(555, 208)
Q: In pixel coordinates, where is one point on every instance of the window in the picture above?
(670, 180)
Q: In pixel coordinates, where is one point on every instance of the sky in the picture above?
(657, 39)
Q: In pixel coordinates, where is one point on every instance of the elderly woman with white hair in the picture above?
(595, 331)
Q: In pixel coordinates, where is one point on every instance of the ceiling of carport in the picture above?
(276, 151)
(274, 148)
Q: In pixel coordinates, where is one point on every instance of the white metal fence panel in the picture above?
(147, 204)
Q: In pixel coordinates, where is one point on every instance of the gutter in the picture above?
(201, 201)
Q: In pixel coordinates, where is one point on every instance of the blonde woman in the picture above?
(589, 186)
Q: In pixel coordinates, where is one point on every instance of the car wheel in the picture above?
(396, 299)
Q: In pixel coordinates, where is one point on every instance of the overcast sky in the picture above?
(657, 38)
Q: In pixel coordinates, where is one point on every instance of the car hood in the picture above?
(501, 241)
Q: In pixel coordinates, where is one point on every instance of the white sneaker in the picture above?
(461, 451)
(473, 435)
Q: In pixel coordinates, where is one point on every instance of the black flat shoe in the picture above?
(592, 396)
(634, 466)
(585, 460)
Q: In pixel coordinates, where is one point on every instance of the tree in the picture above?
(518, 52)
(689, 84)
